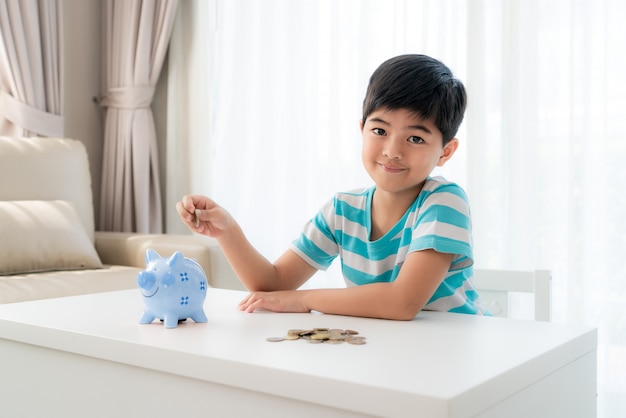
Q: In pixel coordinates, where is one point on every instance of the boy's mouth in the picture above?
(390, 168)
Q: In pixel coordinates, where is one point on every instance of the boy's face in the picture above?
(400, 149)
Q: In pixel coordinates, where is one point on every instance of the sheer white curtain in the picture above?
(277, 124)
(30, 68)
(546, 145)
(542, 146)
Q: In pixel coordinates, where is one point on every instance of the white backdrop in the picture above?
(266, 100)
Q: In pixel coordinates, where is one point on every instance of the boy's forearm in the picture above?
(254, 270)
(376, 300)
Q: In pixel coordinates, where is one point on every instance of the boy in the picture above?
(405, 243)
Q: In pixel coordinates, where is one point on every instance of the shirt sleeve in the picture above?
(444, 225)
(317, 244)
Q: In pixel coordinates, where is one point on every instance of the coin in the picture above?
(322, 335)
(196, 218)
(274, 339)
(357, 340)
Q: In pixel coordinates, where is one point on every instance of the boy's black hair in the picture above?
(420, 84)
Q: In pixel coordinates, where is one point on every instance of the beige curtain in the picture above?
(136, 37)
(30, 68)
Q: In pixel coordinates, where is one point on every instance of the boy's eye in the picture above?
(416, 140)
(379, 131)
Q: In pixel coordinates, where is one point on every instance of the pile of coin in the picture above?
(322, 335)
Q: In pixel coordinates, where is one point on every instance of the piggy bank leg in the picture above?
(170, 321)
(199, 316)
(146, 317)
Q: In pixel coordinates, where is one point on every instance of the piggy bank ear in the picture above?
(151, 255)
(177, 261)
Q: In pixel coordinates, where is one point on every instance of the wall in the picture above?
(82, 70)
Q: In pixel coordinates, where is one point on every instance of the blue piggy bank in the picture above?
(173, 289)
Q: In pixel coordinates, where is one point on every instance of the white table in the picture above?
(87, 356)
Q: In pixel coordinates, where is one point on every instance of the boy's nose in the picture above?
(392, 149)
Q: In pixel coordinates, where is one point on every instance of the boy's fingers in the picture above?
(181, 209)
(190, 203)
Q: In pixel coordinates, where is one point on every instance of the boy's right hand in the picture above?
(214, 220)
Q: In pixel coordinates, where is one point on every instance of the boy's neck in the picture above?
(388, 208)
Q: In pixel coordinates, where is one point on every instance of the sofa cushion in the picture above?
(42, 235)
(55, 284)
(47, 169)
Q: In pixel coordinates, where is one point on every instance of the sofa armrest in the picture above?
(129, 249)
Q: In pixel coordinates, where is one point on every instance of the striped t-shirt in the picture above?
(438, 219)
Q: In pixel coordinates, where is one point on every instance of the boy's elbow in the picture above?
(406, 316)
(405, 313)
(407, 308)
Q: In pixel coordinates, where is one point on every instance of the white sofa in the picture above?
(48, 243)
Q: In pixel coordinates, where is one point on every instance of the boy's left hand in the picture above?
(277, 301)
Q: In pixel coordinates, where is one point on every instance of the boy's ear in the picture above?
(361, 124)
(448, 151)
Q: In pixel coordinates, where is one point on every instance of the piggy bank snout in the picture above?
(146, 280)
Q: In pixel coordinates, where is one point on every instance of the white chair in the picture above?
(496, 286)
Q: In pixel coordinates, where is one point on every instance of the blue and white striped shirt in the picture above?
(438, 219)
